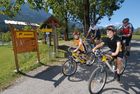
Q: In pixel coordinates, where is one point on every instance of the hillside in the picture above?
(26, 14)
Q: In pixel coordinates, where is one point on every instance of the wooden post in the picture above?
(54, 38)
(38, 56)
(14, 48)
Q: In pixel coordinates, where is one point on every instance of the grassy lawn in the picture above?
(136, 37)
(27, 61)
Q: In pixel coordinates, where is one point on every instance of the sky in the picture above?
(130, 9)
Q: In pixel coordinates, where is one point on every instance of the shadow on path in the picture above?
(83, 73)
(130, 80)
(49, 74)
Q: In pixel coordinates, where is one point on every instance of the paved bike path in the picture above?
(50, 80)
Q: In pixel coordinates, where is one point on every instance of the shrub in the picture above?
(6, 37)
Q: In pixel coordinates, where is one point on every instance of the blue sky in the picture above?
(129, 9)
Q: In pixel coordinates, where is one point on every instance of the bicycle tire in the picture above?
(99, 71)
(68, 70)
(91, 57)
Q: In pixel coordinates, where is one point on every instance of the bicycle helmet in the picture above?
(125, 20)
(111, 27)
(76, 33)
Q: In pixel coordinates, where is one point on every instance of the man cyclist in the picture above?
(127, 30)
(115, 45)
(94, 34)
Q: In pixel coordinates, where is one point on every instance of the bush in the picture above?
(6, 37)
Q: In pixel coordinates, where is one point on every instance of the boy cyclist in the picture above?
(79, 47)
(115, 45)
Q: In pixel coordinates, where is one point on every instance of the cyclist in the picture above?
(127, 30)
(79, 46)
(95, 34)
(115, 45)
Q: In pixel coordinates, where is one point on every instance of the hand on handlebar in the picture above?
(93, 50)
(74, 50)
(109, 53)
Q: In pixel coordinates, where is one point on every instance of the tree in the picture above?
(61, 9)
(86, 15)
(10, 7)
(84, 11)
(94, 10)
(101, 8)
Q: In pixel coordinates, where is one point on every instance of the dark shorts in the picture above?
(127, 40)
(120, 55)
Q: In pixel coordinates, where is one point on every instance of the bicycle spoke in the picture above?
(97, 80)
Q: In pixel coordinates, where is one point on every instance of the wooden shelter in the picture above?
(53, 23)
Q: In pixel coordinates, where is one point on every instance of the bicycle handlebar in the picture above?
(101, 53)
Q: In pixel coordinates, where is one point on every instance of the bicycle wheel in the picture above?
(97, 80)
(91, 58)
(69, 67)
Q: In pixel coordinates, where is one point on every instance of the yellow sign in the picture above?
(24, 34)
(46, 30)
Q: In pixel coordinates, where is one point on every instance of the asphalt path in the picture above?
(50, 80)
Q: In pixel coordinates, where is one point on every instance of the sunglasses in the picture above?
(110, 29)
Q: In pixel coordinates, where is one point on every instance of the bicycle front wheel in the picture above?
(69, 67)
(97, 80)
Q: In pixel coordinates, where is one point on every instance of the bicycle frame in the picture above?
(75, 56)
(102, 59)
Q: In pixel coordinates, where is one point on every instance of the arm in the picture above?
(95, 34)
(117, 49)
(130, 30)
(98, 46)
(88, 32)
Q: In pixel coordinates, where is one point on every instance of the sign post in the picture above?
(24, 41)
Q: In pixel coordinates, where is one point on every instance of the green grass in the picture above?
(27, 62)
(136, 37)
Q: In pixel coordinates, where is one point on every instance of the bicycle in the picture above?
(98, 77)
(70, 66)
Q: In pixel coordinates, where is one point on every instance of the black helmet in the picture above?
(125, 20)
(111, 27)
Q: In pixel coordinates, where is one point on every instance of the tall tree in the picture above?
(85, 11)
(101, 8)
(94, 10)
(10, 7)
(86, 15)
